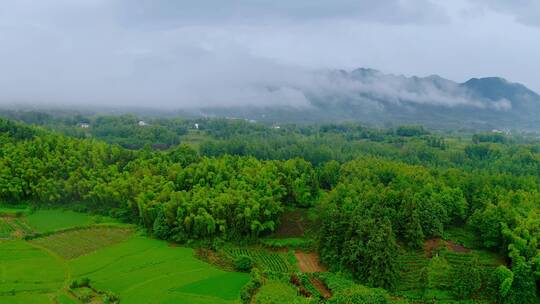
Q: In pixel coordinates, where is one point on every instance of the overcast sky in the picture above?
(178, 53)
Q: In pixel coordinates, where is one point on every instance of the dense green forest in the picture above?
(377, 194)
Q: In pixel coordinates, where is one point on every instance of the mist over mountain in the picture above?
(374, 97)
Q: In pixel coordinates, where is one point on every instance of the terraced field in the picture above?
(75, 243)
(114, 260)
(273, 261)
(412, 265)
(416, 268)
(142, 270)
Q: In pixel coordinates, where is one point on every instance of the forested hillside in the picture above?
(377, 195)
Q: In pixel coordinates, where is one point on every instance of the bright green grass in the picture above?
(142, 270)
(15, 210)
(139, 270)
(72, 244)
(28, 274)
(50, 220)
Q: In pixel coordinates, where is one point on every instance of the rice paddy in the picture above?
(112, 258)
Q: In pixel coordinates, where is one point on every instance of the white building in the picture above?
(142, 123)
(84, 125)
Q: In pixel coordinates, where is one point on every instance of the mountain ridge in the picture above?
(371, 96)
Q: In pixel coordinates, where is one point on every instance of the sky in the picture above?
(177, 53)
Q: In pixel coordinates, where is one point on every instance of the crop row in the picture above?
(264, 259)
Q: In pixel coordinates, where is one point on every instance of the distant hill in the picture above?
(374, 97)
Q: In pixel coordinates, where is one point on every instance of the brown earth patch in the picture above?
(291, 224)
(456, 247)
(321, 287)
(309, 262)
(431, 245)
(434, 244)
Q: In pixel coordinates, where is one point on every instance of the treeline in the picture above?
(128, 131)
(176, 195)
(379, 206)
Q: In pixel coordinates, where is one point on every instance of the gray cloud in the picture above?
(204, 12)
(524, 11)
(197, 53)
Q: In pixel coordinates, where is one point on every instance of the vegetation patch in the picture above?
(28, 274)
(54, 219)
(263, 259)
(289, 243)
(5, 229)
(276, 292)
(140, 269)
(75, 243)
(83, 291)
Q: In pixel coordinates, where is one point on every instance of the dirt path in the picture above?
(309, 262)
(321, 287)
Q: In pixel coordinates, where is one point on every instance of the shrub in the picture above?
(82, 282)
(255, 282)
(243, 263)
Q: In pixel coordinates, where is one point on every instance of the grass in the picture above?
(277, 292)
(51, 220)
(5, 229)
(27, 272)
(75, 243)
(141, 269)
(14, 210)
(137, 269)
(289, 243)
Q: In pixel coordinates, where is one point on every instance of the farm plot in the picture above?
(28, 274)
(74, 243)
(54, 219)
(142, 270)
(411, 265)
(273, 261)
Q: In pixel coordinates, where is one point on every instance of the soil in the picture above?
(308, 262)
(291, 224)
(457, 247)
(321, 287)
(432, 244)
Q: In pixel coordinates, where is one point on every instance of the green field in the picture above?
(50, 220)
(135, 268)
(142, 270)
